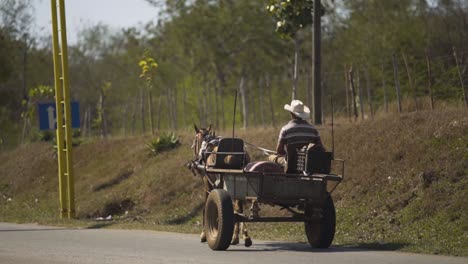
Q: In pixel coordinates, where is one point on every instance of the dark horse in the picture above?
(205, 141)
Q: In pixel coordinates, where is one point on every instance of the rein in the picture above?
(265, 151)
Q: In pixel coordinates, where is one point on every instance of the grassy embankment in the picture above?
(406, 185)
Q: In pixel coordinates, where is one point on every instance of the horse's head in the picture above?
(201, 134)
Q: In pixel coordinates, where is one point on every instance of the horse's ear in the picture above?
(196, 128)
(209, 128)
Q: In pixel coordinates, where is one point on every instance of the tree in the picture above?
(16, 17)
(291, 17)
(148, 69)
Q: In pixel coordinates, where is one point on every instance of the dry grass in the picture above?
(407, 182)
(405, 187)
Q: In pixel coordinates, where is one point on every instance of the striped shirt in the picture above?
(299, 131)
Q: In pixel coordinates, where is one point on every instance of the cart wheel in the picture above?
(219, 219)
(320, 233)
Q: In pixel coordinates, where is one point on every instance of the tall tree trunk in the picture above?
(323, 86)
(142, 111)
(25, 130)
(200, 109)
(221, 93)
(252, 105)
(309, 86)
(133, 124)
(85, 122)
(317, 61)
(245, 109)
(429, 77)
(176, 118)
(348, 113)
(211, 89)
(25, 94)
(460, 75)
(361, 104)
(170, 114)
(25, 64)
(397, 81)
(353, 92)
(384, 87)
(150, 108)
(216, 92)
(170, 108)
(124, 118)
(90, 117)
(104, 119)
(205, 103)
(270, 99)
(221, 83)
(184, 105)
(261, 100)
(159, 110)
(410, 80)
(102, 114)
(369, 92)
(296, 62)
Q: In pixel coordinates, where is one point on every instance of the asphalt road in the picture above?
(34, 244)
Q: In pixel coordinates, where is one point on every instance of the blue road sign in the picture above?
(48, 115)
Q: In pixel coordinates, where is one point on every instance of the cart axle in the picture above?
(298, 218)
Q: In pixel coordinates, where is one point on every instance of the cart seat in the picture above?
(264, 166)
(293, 157)
(230, 154)
(305, 158)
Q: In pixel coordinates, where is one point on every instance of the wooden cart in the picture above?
(304, 190)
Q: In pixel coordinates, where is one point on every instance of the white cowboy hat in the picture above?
(298, 109)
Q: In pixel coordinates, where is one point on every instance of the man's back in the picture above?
(298, 130)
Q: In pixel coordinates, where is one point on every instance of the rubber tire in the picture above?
(219, 219)
(320, 233)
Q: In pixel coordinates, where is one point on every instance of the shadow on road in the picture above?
(379, 246)
(100, 225)
(304, 247)
(94, 226)
(34, 229)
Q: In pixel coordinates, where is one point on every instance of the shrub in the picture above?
(46, 136)
(166, 141)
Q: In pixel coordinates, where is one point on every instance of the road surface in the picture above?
(34, 244)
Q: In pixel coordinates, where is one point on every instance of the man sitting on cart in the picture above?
(298, 130)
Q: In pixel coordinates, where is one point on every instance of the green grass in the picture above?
(405, 188)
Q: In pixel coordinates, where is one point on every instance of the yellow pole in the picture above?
(68, 132)
(59, 110)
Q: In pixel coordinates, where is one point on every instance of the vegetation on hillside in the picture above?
(207, 50)
(163, 143)
(405, 185)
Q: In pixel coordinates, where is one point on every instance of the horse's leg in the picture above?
(206, 188)
(235, 236)
(245, 234)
